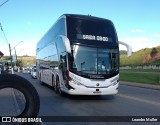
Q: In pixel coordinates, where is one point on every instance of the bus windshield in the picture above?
(87, 60)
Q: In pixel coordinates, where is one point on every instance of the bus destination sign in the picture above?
(92, 37)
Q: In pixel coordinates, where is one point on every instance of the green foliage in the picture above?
(139, 70)
(123, 52)
(153, 52)
(19, 63)
(137, 57)
(5, 58)
(28, 61)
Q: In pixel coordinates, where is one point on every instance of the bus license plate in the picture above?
(97, 92)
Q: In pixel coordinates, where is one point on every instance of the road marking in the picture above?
(139, 99)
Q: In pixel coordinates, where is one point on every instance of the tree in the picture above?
(19, 63)
(153, 52)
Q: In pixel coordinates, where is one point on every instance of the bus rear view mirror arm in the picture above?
(66, 43)
(129, 48)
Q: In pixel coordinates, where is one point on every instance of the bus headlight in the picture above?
(115, 81)
(75, 82)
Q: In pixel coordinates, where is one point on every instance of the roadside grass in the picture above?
(140, 70)
(146, 78)
(27, 60)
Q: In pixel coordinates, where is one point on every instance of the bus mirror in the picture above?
(129, 48)
(66, 43)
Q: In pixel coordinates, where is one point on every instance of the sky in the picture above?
(137, 22)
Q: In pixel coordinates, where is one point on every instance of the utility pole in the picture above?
(10, 53)
(7, 43)
(15, 52)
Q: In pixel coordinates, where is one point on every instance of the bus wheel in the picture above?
(56, 85)
(53, 83)
(58, 89)
(40, 81)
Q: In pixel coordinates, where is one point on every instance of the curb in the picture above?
(141, 85)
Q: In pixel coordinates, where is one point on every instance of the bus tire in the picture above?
(32, 98)
(53, 82)
(58, 89)
(40, 81)
(57, 84)
(60, 92)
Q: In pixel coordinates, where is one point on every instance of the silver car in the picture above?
(34, 73)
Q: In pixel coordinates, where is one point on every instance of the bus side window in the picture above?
(60, 45)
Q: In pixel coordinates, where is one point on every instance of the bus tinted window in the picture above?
(60, 45)
(91, 30)
(50, 36)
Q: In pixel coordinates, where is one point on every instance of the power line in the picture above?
(3, 37)
(7, 42)
(1, 25)
(4, 3)
(4, 33)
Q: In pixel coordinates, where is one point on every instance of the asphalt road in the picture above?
(130, 101)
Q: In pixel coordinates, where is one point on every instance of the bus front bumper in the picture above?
(82, 90)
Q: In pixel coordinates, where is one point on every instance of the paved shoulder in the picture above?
(142, 85)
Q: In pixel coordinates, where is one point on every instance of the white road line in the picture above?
(139, 99)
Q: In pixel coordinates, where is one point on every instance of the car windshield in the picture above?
(94, 60)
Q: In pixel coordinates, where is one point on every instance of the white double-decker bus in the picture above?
(79, 55)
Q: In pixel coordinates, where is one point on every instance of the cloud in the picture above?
(156, 35)
(136, 30)
(138, 39)
(137, 43)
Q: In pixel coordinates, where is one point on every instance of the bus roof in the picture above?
(79, 16)
(85, 17)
